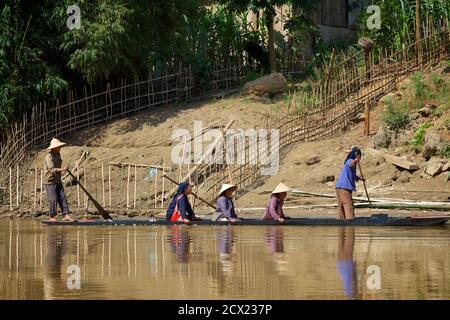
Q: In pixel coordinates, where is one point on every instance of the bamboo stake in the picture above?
(86, 203)
(35, 188)
(109, 184)
(135, 186)
(128, 187)
(40, 196)
(10, 189)
(17, 186)
(103, 185)
(163, 187)
(78, 189)
(156, 187)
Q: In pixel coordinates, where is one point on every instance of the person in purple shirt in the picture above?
(225, 205)
(346, 184)
(274, 209)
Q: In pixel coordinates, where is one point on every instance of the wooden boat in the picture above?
(373, 220)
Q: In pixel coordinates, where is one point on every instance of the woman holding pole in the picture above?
(346, 184)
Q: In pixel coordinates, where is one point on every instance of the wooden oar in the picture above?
(97, 205)
(194, 194)
(364, 183)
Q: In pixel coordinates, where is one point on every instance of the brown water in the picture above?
(240, 262)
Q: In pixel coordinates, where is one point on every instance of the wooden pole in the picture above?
(418, 30)
(40, 196)
(163, 188)
(86, 203)
(367, 119)
(10, 189)
(135, 186)
(128, 187)
(103, 185)
(109, 184)
(364, 183)
(78, 188)
(17, 186)
(156, 187)
(35, 188)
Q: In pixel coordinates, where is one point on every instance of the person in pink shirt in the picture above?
(274, 208)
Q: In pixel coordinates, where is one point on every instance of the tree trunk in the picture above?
(270, 30)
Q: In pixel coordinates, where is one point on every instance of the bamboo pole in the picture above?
(109, 184)
(78, 189)
(86, 203)
(35, 188)
(103, 186)
(40, 196)
(17, 186)
(10, 189)
(128, 187)
(156, 187)
(163, 187)
(135, 186)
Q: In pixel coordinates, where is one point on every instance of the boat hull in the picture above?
(374, 220)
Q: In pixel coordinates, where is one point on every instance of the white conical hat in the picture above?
(281, 187)
(55, 143)
(225, 187)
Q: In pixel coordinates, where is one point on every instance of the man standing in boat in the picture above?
(53, 184)
(346, 184)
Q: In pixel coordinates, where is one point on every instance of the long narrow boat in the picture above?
(373, 220)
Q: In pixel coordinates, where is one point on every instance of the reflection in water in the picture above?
(222, 262)
(225, 239)
(275, 245)
(345, 265)
(180, 242)
(53, 276)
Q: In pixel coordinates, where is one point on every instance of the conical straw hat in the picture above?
(281, 187)
(55, 143)
(225, 187)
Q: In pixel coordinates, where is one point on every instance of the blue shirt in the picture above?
(183, 206)
(347, 179)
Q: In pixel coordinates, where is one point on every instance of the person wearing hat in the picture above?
(274, 208)
(346, 184)
(179, 208)
(225, 205)
(53, 185)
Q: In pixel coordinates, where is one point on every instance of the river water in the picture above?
(222, 262)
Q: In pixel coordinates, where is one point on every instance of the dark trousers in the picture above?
(56, 196)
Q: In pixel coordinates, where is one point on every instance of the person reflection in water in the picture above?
(180, 242)
(54, 277)
(345, 265)
(275, 245)
(225, 240)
